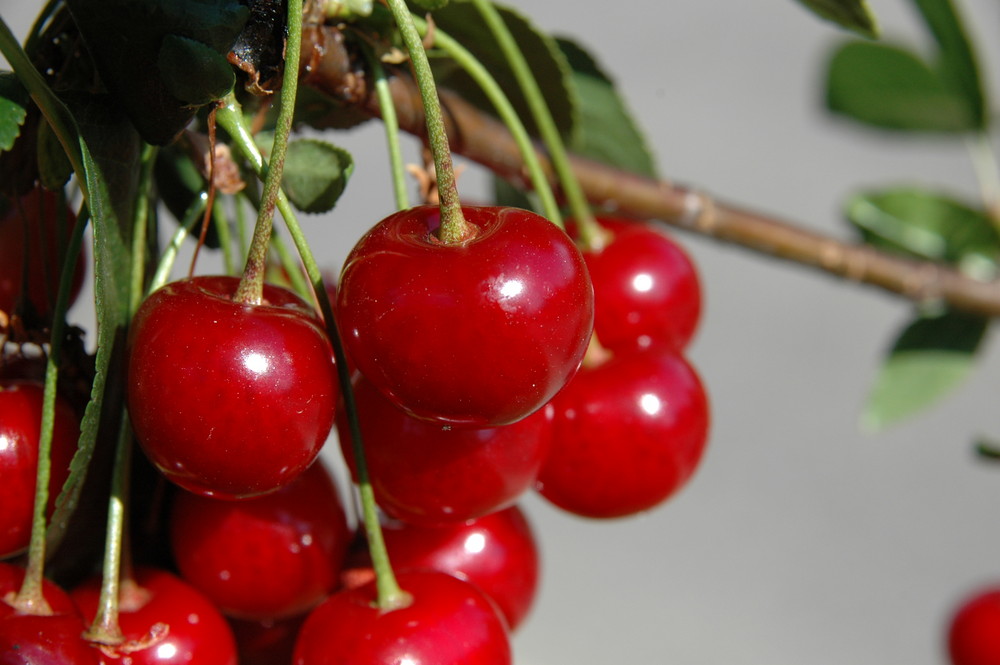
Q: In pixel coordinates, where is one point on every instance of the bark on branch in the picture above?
(328, 66)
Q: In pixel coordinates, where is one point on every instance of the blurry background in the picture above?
(801, 539)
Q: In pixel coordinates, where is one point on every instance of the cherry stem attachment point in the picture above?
(454, 227)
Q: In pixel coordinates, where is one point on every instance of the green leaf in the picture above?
(926, 225)
(13, 109)
(315, 174)
(891, 88)
(956, 64)
(931, 357)
(851, 14)
(607, 131)
(54, 167)
(462, 21)
(193, 72)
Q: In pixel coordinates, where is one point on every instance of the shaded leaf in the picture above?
(851, 14)
(315, 174)
(956, 63)
(462, 21)
(193, 72)
(607, 131)
(891, 88)
(925, 224)
(54, 167)
(930, 358)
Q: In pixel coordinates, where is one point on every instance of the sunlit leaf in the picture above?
(13, 109)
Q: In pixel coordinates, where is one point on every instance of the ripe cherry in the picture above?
(269, 557)
(37, 213)
(497, 553)
(52, 638)
(20, 431)
(229, 400)
(646, 288)
(164, 621)
(448, 622)
(426, 473)
(266, 642)
(974, 632)
(627, 434)
(481, 332)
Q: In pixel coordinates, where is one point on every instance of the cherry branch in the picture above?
(328, 66)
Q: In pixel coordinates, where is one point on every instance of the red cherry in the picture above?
(20, 430)
(49, 639)
(448, 622)
(164, 621)
(496, 552)
(426, 473)
(481, 332)
(229, 400)
(269, 557)
(627, 434)
(974, 633)
(646, 288)
(39, 209)
(266, 642)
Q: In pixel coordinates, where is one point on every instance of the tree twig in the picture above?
(328, 66)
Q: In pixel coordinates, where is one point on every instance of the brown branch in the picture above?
(329, 67)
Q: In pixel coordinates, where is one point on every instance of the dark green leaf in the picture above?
(13, 109)
(929, 359)
(315, 174)
(462, 21)
(988, 449)
(925, 224)
(891, 88)
(957, 65)
(54, 167)
(851, 14)
(193, 72)
(607, 131)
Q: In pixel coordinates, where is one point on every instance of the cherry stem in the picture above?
(169, 255)
(251, 287)
(390, 595)
(140, 228)
(488, 84)
(590, 232)
(391, 123)
(105, 628)
(454, 228)
(30, 599)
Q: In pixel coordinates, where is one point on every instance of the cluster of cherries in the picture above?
(467, 390)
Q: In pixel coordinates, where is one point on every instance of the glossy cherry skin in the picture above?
(627, 434)
(646, 288)
(165, 622)
(974, 632)
(39, 209)
(51, 639)
(498, 553)
(426, 473)
(479, 333)
(20, 430)
(268, 557)
(448, 622)
(229, 400)
(266, 642)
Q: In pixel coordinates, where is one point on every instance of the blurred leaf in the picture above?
(988, 449)
(13, 109)
(851, 14)
(956, 64)
(54, 167)
(462, 21)
(607, 131)
(315, 174)
(931, 357)
(924, 224)
(891, 88)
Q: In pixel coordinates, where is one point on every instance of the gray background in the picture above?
(801, 539)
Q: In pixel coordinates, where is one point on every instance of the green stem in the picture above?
(225, 236)
(292, 268)
(391, 123)
(105, 628)
(169, 256)
(590, 232)
(140, 228)
(30, 599)
(475, 69)
(390, 596)
(454, 228)
(251, 285)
